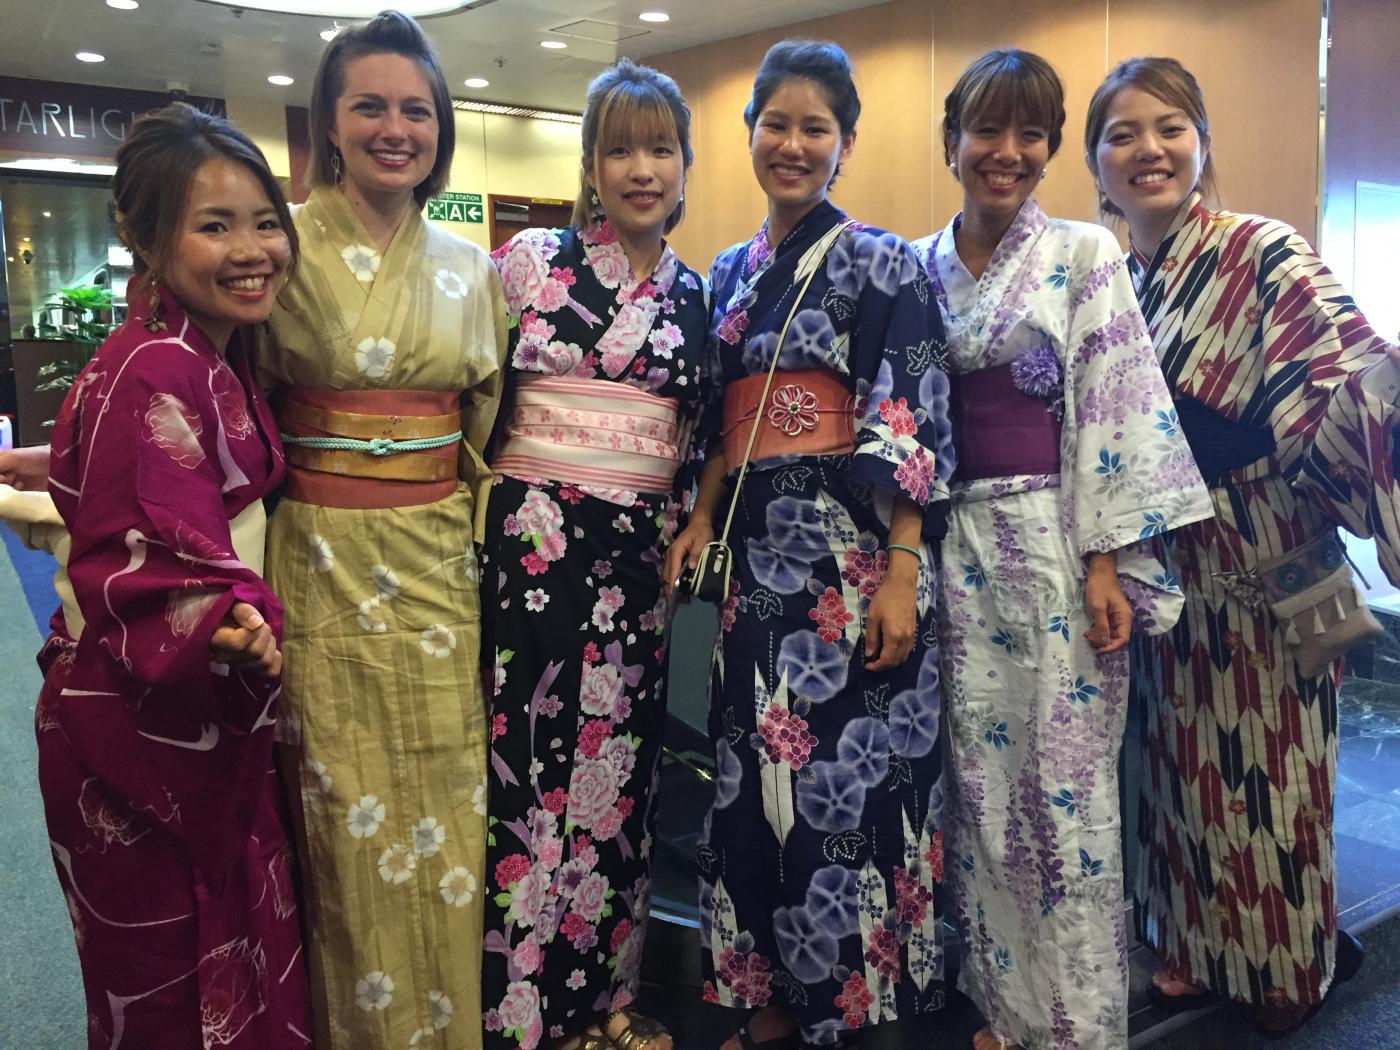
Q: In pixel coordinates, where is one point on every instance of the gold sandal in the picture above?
(638, 1032)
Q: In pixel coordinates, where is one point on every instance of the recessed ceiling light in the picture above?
(553, 45)
(123, 5)
(351, 9)
(477, 82)
(330, 34)
(280, 79)
(90, 56)
(47, 214)
(654, 16)
(24, 238)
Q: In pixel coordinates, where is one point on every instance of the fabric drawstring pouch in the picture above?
(1313, 594)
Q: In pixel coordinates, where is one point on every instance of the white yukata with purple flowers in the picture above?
(1035, 716)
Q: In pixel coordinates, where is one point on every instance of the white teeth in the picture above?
(246, 284)
(1151, 176)
(999, 179)
(392, 156)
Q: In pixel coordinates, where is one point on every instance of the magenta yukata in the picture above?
(155, 765)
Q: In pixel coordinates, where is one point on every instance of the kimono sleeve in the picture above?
(898, 357)
(482, 401)
(1332, 392)
(152, 559)
(1127, 472)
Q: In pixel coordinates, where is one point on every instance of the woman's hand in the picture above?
(1106, 605)
(245, 642)
(893, 613)
(25, 469)
(684, 551)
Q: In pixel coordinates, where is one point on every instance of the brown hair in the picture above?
(156, 165)
(1000, 86)
(387, 33)
(1165, 79)
(628, 103)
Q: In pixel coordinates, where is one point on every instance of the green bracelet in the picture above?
(902, 547)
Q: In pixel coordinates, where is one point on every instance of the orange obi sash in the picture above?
(590, 432)
(809, 412)
(369, 449)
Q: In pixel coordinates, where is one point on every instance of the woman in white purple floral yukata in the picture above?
(604, 388)
(1069, 455)
(820, 859)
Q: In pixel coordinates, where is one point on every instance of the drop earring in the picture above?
(153, 323)
(337, 165)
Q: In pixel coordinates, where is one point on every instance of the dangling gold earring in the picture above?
(336, 165)
(153, 323)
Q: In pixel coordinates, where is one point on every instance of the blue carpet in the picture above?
(41, 995)
(34, 570)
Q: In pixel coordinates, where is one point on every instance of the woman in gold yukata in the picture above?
(385, 353)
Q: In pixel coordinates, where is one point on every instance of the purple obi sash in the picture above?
(1000, 431)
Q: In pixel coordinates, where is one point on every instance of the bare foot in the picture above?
(985, 1040)
(770, 1023)
(1169, 984)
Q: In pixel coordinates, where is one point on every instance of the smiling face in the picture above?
(999, 162)
(1149, 158)
(386, 126)
(639, 171)
(230, 252)
(797, 145)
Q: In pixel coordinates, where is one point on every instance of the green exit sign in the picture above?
(456, 207)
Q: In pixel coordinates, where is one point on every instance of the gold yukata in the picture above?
(383, 701)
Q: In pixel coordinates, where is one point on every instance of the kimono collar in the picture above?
(1029, 223)
(759, 253)
(1192, 209)
(599, 241)
(333, 216)
(173, 319)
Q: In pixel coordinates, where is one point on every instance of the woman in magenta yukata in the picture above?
(155, 721)
(605, 384)
(820, 858)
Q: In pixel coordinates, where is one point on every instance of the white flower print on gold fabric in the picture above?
(396, 864)
(458, 887)
(364, 816)
(374, 991)
(370, 618)
(428, 837)
(322, 558)
(318, 770)
(386, 581)
(450, 284)
(440, 1006)
(362, 260)
(438, 641)
(374, 357)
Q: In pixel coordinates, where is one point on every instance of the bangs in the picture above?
(635, 114)
(1013, 92)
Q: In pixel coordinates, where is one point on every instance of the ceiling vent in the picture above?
(599, 32)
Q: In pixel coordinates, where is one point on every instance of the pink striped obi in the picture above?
(590, 432)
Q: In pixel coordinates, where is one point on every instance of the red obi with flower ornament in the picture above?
(808, 412)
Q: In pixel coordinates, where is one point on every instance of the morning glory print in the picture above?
(820, 859)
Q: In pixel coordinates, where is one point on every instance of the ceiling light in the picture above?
(123, 5)
(280, 79)
(349, 9)
(63, 164)
(47, 214)
(24, 238)
(330, 34)
(654, 16)
(90, 56)
(553, 45)
(9, 258)
(477, 82)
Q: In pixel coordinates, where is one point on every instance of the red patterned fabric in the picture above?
(1237, 882)
(156, 767)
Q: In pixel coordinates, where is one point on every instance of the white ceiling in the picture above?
(210, 49)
